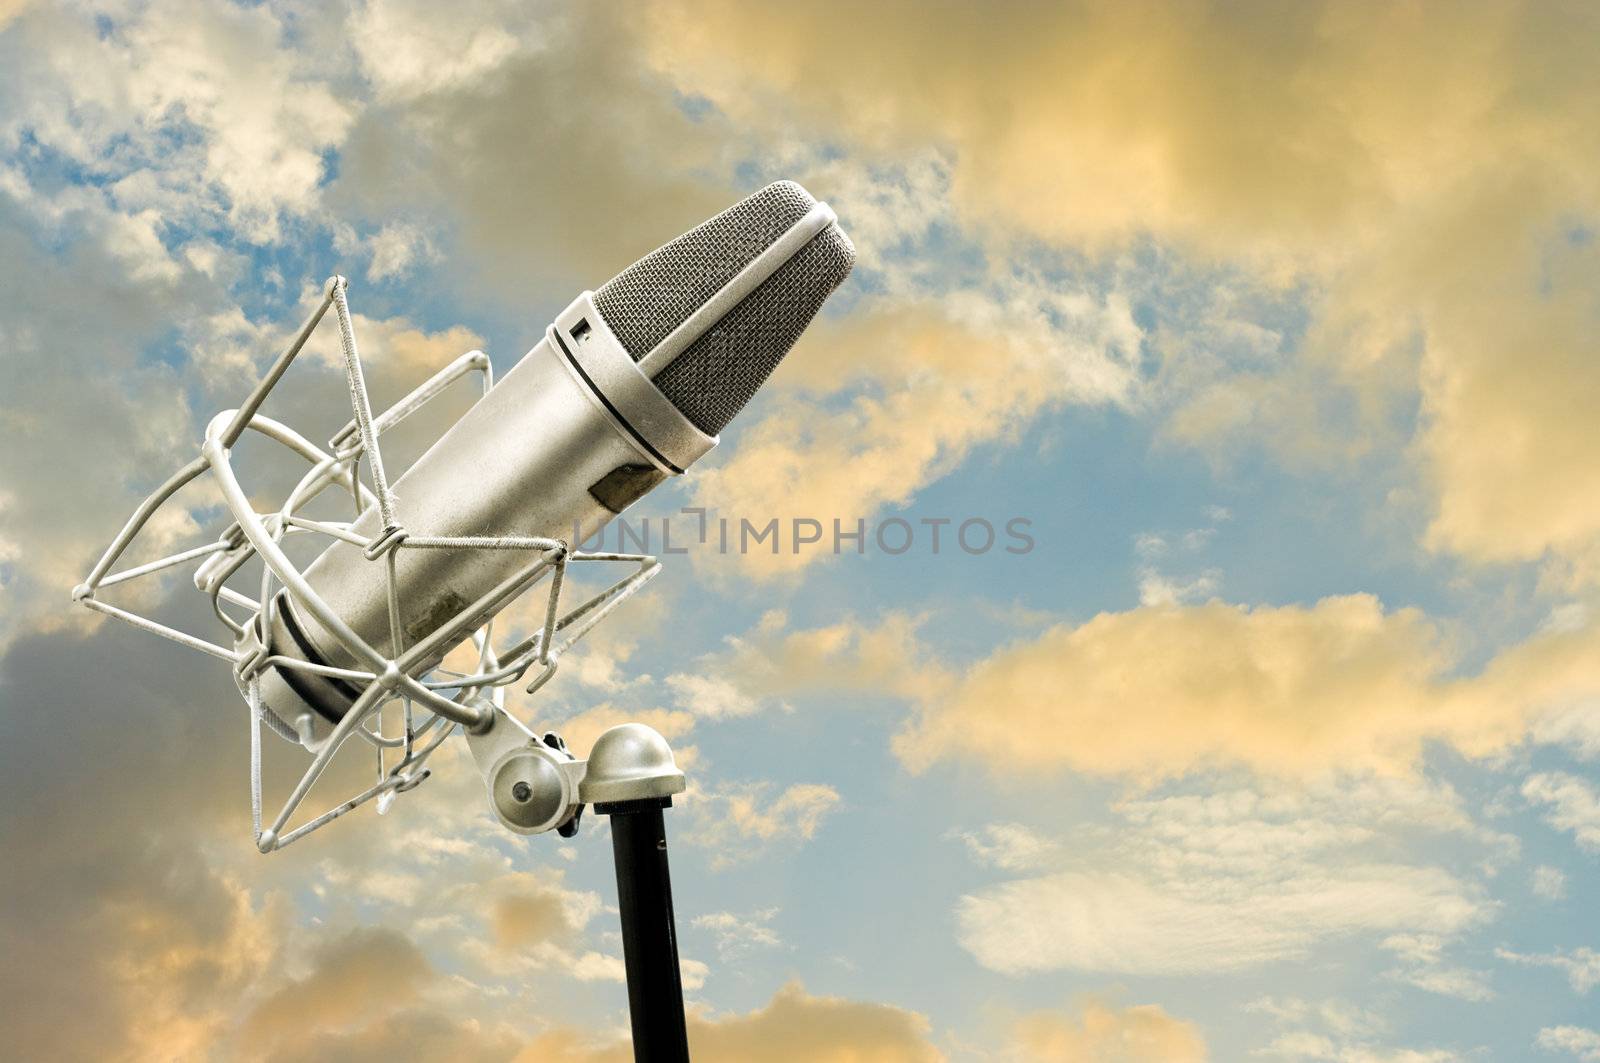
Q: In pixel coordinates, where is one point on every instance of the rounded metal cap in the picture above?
(630, 762)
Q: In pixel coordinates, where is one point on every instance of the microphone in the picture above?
(630, 385)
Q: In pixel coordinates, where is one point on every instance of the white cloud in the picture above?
(1579, 1042)
(1581, 965)
(739, 822)
(394, 251)
(709, 696)
(1149, 545)
(1572, 804)
(1156, 589)
(1549, 882)
(735, 934)
(1102, 921)
(1010, 847)
(1334, 1031)
(1577, 726)
(195, 111)
(409, 48)
(599, 967)
(1188, 883)
(1301, 1045)
(1423, 966)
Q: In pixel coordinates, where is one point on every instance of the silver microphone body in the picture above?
(592, 418)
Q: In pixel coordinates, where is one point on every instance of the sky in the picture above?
(1263, 337)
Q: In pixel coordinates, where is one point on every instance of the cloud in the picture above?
(397, 249)
(1573, 805)
(1419, 176)
(1157, 589)
(353, 977)
(1581, 965)
(370, 994)
(521, 919)
(1299, 1045)
(709, 696)
(1577, 728)
(196, 110)
(1549, 882)
(1422, 965)
(1129, 148)
(85, 419)
(419, 1035)
(1508, 352)
(10, 9)
(1010, 847)
(1333, 1031)
(121, 936)
(580, 731)
(739, 821)
(1580, 1042)
(409, 49)
(1287, 691)
(1192, 883)
(1342, 685)
(737, 935)
(144, 926)
(522, 208)
(1103, 1033)
(1117, 923)
(794, 1027)
(774, 660)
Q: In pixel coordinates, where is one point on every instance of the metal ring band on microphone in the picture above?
(633, 433)
(604, 367)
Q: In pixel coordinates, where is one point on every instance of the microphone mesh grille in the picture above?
(716, 375)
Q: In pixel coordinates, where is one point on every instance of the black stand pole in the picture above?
(649, 938)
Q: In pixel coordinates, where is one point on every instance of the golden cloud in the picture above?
(1289, 691)
(1426, 170)
(1104, 1033)
(1297, 133)
(362, 973)
(580, 731)
(10, 9)
(521, 919)
(179, 973)
(774, 660)
(1161, 690)
(370, 994)
(794, 1027)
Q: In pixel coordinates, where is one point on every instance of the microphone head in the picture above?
(719, 370)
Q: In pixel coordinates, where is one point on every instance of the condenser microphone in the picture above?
(629, 386)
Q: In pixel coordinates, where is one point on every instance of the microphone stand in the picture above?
(649, 937)
(631, 777)
(535, 785)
